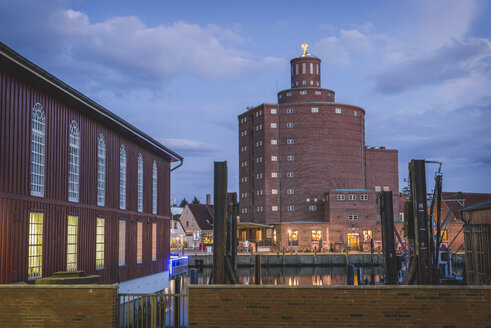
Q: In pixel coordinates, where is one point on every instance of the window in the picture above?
(289, 125)
(304, 68)
(311, 68)
(290, 141)
(338, 110)
(273, 111)
(303, 83)
(352, 197)
(244, 179)
(274, 174)
(244, 148)
(274, 208)
(378, 189)
(312, 208)
(290, 208)
(101, 170)
(259, 127)
(140, 183)
(315, 109)
(259, 143)
(74, 163)
(311, 82)
(259, 192)
(303, 93)
(317, 69)
(154, 241)
(367, 235)
(243, 133)
(290, 158)
(38, 142)
(386, 188)
(35, 260)
(296, 69)
(244, 195)
(290, 191)
(307, 200)
(444, 233)
(274, 141)
(289, 94)
(273, 125)
(289, 110)
(316, 235)
(296, 83)
(293, 238)
(363, 197)
(355, 113)
(289, 174)
(315, 200)
(401, 216)
(341, 197)
(318, 93)
(99, 243)
(154, 188)
(122, 242)
(352, 217)
(122, 177)
(259, 176)
(259, 159)
(139, 242)
(274, 191)
(244, 210)
(187, 224)
(274, 158)
(72, 243)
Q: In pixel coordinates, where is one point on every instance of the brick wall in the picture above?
(333, 306)
(58, 306)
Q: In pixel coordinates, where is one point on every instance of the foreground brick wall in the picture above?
(58, 306)
(336, 306)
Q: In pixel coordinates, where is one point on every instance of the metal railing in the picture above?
(153, 310)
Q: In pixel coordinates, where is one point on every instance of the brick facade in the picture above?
(339, 306)
(58, 306)
(295, 154)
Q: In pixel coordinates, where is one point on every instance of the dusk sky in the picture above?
(182, 71)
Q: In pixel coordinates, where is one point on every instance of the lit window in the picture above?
(38, 142)
(154, 188)
(72, 243)
(274, 158)
(293, 238)
(290, 208)
(289, 174)
(101, 171)
(99, 244)
(315, 109)
(304, 68)
(274, 208)
(290, 141)
(308, 200)
(444, 234)
(273, 125)
(364, 197)
(274, 174)
(273, 111)
(311, 68)
(352, 217)
(122, 177)
(290, 158)
(289, 110)
(274, 141)
(352, 197)
(289, 125)
(122, 242)
(35, 259)
(154, 241)
(274, 191)
(140, 183)
(341, 197)
(74, 163)
(290, 191)
(338, 110)
(139, 242)
(316, 234)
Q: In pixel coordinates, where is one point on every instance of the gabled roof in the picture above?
(463, 199)
(478, 206)
(203, 214)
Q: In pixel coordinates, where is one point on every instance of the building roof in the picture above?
(16, 62)
(351, 190)
(203, 214)
(463, 200)
(478, 206)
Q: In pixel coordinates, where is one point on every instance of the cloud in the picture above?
(188, 146)
(457, 59)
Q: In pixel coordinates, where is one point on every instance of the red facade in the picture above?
(22, 85)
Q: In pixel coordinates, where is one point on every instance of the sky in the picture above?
(182, 71)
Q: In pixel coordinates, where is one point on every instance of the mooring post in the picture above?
(389, 251)
(219, 222)
(257, 269)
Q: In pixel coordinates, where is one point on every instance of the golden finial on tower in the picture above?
(305, 45)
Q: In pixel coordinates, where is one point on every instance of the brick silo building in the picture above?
(304, 169)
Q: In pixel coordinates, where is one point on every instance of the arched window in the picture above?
(154, 188)
(122, 177)
(38, 142)
(101, 170)
(140, 183)
(74, 163)
(311, 68)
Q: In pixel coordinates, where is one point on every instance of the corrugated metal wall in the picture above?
(16, 102)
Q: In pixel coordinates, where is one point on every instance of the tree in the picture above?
(195, 200)
(183, 203)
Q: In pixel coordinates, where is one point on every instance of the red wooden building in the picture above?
(80, 188)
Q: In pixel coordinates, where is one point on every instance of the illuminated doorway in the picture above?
(353, 241)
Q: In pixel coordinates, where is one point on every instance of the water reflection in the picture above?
(292, 276)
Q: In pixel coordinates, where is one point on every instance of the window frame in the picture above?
(38, 150)
(100, 243)
(101, 170)
(139, 184)
(74, 154)
(123, 168)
